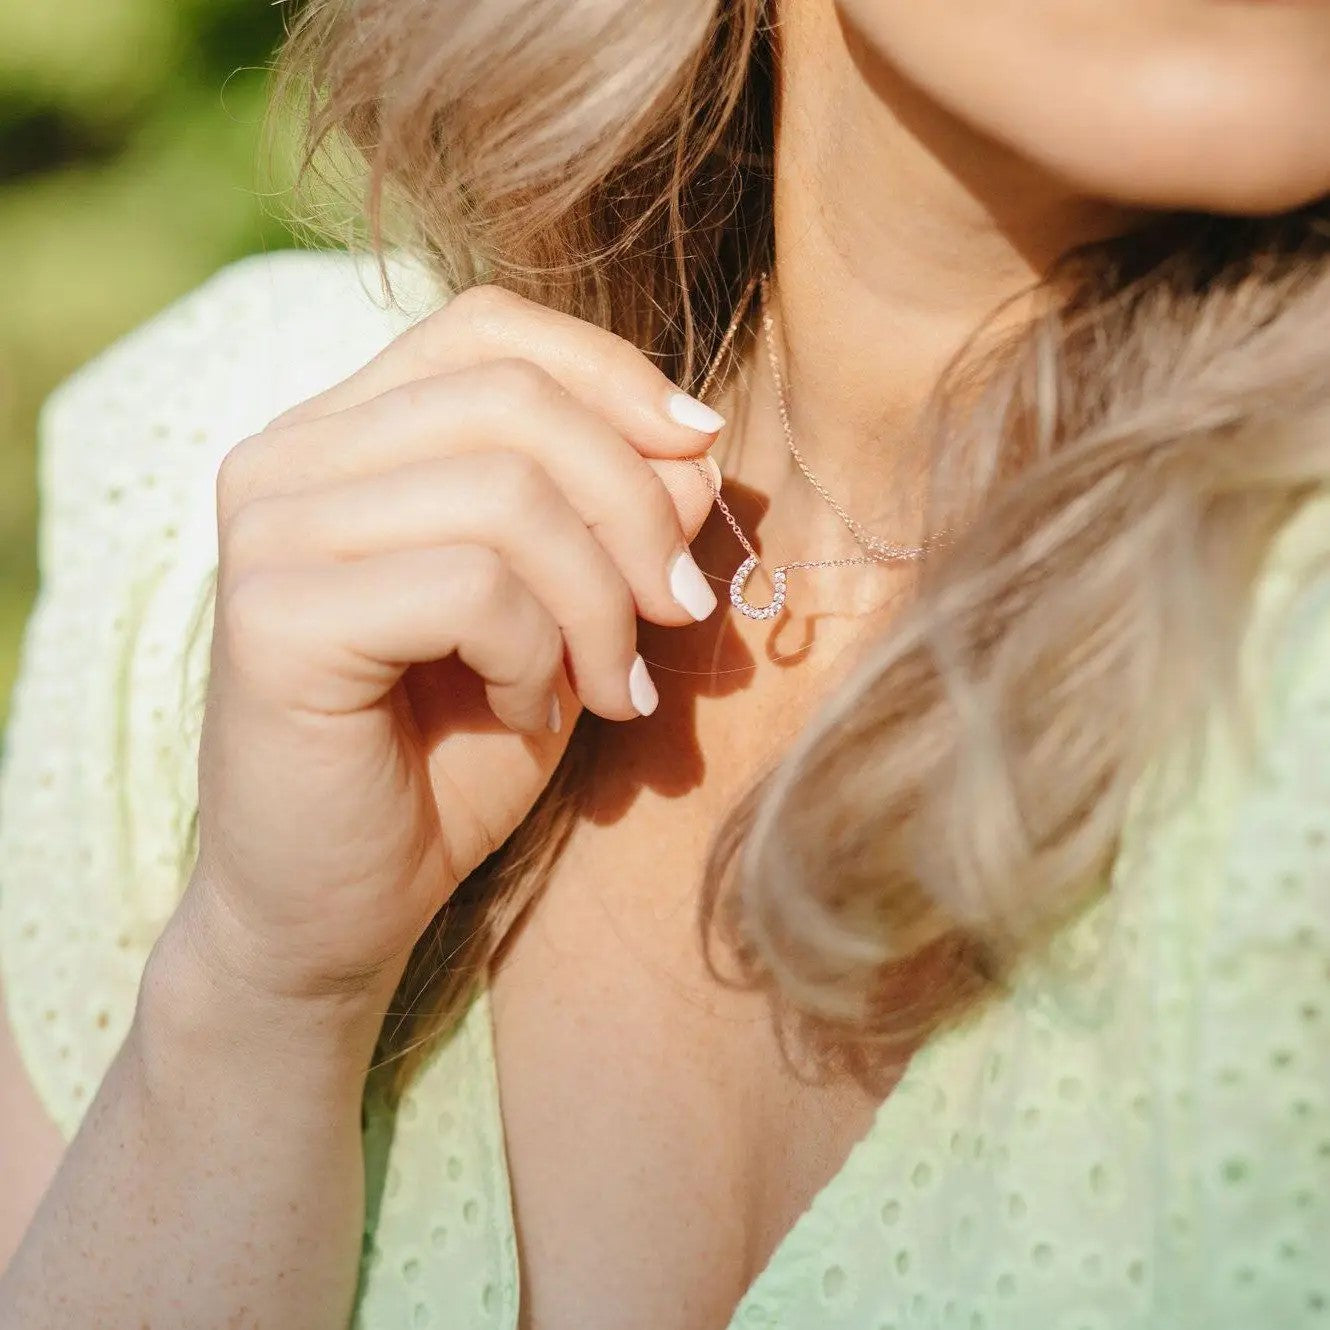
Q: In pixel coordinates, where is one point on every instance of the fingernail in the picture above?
(689, 586)
(641, 689)
(555, 716)
(696, 415)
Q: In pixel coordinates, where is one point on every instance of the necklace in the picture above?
(875, 549)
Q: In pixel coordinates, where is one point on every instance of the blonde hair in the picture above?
(1118, 467)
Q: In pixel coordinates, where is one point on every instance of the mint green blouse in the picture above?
(1135, 1135)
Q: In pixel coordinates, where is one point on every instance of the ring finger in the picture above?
(499, 499)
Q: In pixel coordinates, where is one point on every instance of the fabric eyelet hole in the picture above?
(1235, 1171)
(833, 1281)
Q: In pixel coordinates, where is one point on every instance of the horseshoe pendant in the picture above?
(740, 581)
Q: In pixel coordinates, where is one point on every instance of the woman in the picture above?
(1011, 811)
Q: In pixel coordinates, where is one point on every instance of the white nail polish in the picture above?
(556, 716)
(689, 586)
(696, 415)
(641, 689)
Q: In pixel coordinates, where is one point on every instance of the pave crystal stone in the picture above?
(740, 581)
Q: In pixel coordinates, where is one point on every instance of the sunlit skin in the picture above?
(933, 156)
(931, 159)
(1212, 104)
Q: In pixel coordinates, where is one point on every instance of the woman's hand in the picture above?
(424, 574)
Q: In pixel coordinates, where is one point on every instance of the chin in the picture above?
(1197, 105)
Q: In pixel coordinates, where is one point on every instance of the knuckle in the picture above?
(513, 382)
(475, 314)
(252, 611)
(483, 305)
(518, 480)
(478, 577)
(248, 533)
(234, 478)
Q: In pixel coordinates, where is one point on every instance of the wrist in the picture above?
(199, 1009)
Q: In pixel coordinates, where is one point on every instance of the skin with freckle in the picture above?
(433, 1036)
(1206, 104)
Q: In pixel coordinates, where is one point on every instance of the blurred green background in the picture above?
(133, 163)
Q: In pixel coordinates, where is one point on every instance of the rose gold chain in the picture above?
(876, 550)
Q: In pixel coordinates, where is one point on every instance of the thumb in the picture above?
(692, 491)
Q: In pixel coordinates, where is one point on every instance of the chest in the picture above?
(659, 1143)
(653, 1151)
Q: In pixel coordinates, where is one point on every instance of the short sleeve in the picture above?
(1255, 1090)
(98, 774)
(1265, 1059)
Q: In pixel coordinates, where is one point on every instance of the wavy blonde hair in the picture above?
(1118, 466)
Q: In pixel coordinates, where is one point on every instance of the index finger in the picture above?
(483, 323)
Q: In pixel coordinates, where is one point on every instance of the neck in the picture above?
(898, 231)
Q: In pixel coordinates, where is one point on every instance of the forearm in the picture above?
(217, 1179)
